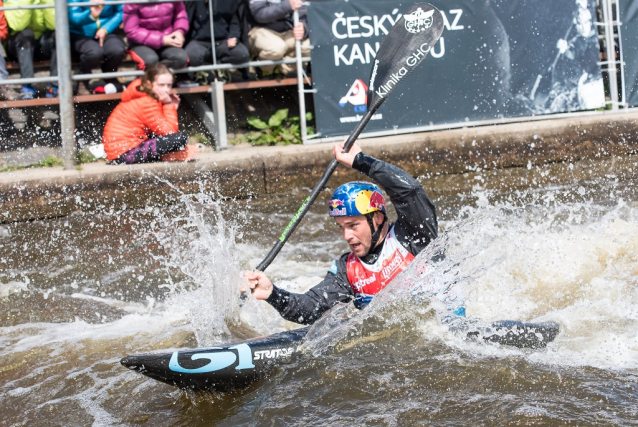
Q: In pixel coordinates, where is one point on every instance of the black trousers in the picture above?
(92, 55)
(201, 53)
(25, 48)
(151, 149)
(171, 56)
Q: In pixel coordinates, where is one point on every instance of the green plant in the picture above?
(198, 138)
(49, 162)
(279, 130)
(84, 157)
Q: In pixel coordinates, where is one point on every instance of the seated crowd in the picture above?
(175, 34)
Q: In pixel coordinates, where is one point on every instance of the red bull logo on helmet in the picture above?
(335, 203)
(377, 201)
(337, 208)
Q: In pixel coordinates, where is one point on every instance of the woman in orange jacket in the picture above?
(143, 127)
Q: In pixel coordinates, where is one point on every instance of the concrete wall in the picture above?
(51, 192)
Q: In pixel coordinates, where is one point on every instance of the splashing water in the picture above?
(574, 264)
(128, 282)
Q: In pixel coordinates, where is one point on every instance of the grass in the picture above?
(53, 161)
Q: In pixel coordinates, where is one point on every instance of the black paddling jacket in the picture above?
(415, 228)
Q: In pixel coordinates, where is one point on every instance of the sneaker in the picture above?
(27, 92)
(82, 89)
(186, 83)
(188, 153)
(8, 93)
(203, 77)
(52, 91)
(266, 75)
(224, 76)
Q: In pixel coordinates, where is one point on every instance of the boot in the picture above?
(82, 89)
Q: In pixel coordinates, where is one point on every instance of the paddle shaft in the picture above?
(403, 49)
(292, 225)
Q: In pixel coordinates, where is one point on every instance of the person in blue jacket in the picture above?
(93, 38)
(379, 250)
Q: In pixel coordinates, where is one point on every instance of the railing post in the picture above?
(300, 89)
(608, 17)
(212, 31)
(65, 86)
(219, 112)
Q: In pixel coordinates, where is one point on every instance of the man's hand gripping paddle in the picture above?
(402, 50)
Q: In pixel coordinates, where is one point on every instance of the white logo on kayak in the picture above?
(272, 354)
(418, 21)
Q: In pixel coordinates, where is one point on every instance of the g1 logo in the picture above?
(218, 360)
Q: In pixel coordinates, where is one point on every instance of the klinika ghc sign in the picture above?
(469, 73)
(357, 95)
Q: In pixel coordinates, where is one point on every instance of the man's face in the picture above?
(356, 232)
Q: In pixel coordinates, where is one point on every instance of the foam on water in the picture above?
(571, 263)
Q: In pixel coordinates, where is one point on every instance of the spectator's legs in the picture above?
(6, 92)
(144, 56)
(89, 51)
(114, 53)
(91, 55)
(267, 44)
(45, 49)
(3, 68)
(199, 53)
(174, 57)
(237, 55)
(21, 45)
(152, 149)
(290, 53)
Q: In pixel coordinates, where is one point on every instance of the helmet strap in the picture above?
(375, 234)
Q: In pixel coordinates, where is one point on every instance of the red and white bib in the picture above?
(368, 279)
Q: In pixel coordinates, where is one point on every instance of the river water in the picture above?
(551, 243)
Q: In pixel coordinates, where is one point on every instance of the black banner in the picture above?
(495, 59)
(628, 11)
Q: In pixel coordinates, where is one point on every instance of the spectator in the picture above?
(228, 32)
(93, 39)
(6, 92)
(31, 35)
(273, 34)
(156, 33)
(143, 127)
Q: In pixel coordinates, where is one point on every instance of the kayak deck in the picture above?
(236, 366)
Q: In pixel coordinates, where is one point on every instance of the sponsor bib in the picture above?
(367, 280)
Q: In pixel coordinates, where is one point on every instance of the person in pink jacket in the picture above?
(155, 33)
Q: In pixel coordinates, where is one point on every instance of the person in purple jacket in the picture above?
(156, 32)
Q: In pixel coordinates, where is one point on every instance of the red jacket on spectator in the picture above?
(148, 24)
(4, 28)
(137, 118)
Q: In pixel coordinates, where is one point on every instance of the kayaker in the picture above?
(380, 250)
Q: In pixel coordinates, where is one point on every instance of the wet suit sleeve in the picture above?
(416, 224)
(309, 307)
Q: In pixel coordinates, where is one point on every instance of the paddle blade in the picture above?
(402, 50)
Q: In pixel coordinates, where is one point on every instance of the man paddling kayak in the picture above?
(380, 250)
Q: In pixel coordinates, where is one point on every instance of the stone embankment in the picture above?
(257, 171)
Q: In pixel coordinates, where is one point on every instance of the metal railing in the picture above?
(65, 76)
(609, 26)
